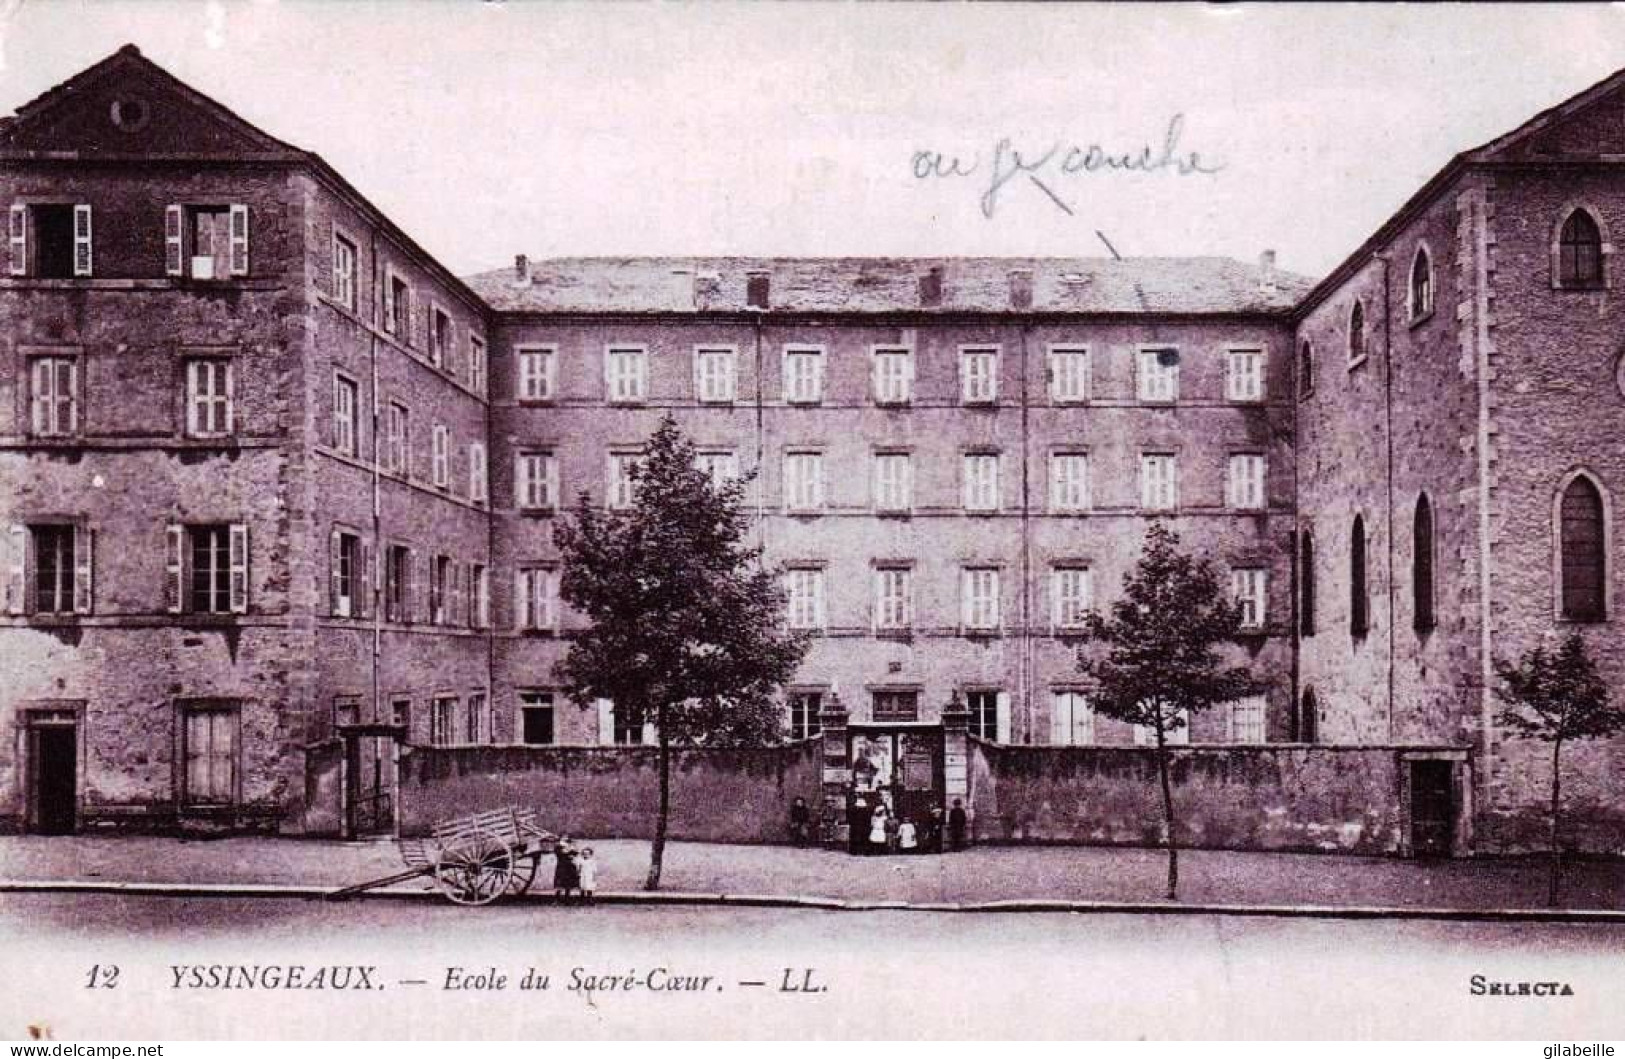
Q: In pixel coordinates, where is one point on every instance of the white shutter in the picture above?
(967, 605)
(175, 567)
(239, 239)
(520, 602)
(1060, 718)
(16, 570)
(550, 468)
(81, 240)
(230, 424)
(389, 302)
(1003, 719)
(174, 261)
(606, 722)
(83, 567)
(19, 240)
(648, 733)
(239, 567)
(335, 565)
(366, 583)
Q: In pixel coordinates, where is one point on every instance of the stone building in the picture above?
(280, 489)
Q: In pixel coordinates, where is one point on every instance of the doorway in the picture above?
(900, 768)
(370, 776)
(53, 774)
(1433, 808)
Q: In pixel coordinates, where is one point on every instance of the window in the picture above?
(894, 481)
(894, 374)
(400, 583)
(208, 569)
(1579, 252)
(979, 597)
(1582, 558)
(979, 375)
(478, 490)
(442, 720)
(714, 374)
(49, 569)
(1069, 374)
(1146, 735)
(1069, 481)
(206, 242)
(440, 338)
(893, 598)
(479, 611)
(1306, 370)
(626, 374)
(208, 398)
(1308, 719)
(536, 481)
(623, 482)
(1359, 598)
(1245, 484)
(476, 365)
(54, 396)
(440, 456)
(51, 241)
(345, 400)
(476, 728)
(1159, 375)
(536, 599)
(1357, 332)
(896, 706)
(536, 718)
(1072, 592)
(397, 440)
(803, 375)
(624, 729)
(346, 711)
(536, 368)
(210, 737)
(400, 715)
(1248, 586)
(804, 598)
(1245, 720)
(343, 271)
(721, 466)
(803, 481)
(805, 707)
(1244, 374)
(398, 308)
(981, 481)
(983, 707)
(1159, 482)
(1071, 719)
(1306, 584)
(1421, 289)
(1422, 565)
(440, 583)
(53, 569)
(348, 574)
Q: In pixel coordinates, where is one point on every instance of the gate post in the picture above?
(836, 771)
(956, 757)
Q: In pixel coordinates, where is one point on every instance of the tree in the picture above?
(1556, 698)
(687, 629)
(1161, 665)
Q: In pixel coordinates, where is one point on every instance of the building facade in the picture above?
(280, 489)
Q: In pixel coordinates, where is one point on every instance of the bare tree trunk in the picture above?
(1557, 849)
(1168, 816)
(657, 854)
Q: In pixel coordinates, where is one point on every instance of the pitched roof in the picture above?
(1175, 285)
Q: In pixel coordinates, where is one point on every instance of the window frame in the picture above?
(192, 367)
(981, 493)
(1059, 574)
(528, 699)
(803, 575)
(537, 606)
(1561, 279)
(616, 356)
(903, 485)
(1085, 488)
(1561, 611)
(1168, 374)
(188, 710)
(1084, 722)
(804, 709)
(795, 487)
(620, 481)
(1248, 491)
(888, 388)
(988, 393)
(893, 614)
(729, 355)
(1357, 334)
(1172, 490)
(1234, 392)
(972, 622)
(1424, 566)
(1053, 353)
(817, 380)
(343, 280)
(548, 357)
(1249, 586)
(1359, 579)
(55, 360)
(1426, 292)
(346, 429)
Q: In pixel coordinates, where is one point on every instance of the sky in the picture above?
(489, 129)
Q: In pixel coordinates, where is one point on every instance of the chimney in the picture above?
(931, 287)
(1266, 270)
(756, 289)
(682, 288)
(1021, 288)
(521, 269)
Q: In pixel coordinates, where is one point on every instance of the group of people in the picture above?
(875, 828)
(574, 871)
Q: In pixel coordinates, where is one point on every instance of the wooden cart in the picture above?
(473, 859)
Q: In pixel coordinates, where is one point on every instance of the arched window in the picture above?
(1306, 369)
(1308, 719)
(1359, 601)
(1357, 332)
(1421, 284)
(1422, 565)
(1581, 550)
(1579, 252)
(1306, 584)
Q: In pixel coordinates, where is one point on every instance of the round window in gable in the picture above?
(130, 114)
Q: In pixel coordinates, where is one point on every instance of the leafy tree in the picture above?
(1557, 698)
(1161, 665)
(687, 626)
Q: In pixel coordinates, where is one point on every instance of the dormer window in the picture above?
(206, 242)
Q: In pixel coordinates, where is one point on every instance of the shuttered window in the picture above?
(53, 396)
(209, 398)
(210, 737)
(1072, 719)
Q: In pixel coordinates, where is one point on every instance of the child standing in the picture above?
(587, 869)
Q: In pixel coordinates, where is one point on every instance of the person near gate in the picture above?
(877, 829)
(908, 837)
(586, 874)
(933, 830)
(894, 827)
(857, 825)
(800, 822)
(956, 824)
(565, 875)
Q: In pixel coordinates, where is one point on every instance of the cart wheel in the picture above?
(524, 872)
(475, 869)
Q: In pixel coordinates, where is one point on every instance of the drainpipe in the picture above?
(1026, 675)
(761, 485)
(377, 488)
(1388, 413)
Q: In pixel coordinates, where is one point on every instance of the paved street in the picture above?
(982, 874)
(886, 972)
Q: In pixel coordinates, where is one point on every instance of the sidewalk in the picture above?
(984, 874)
